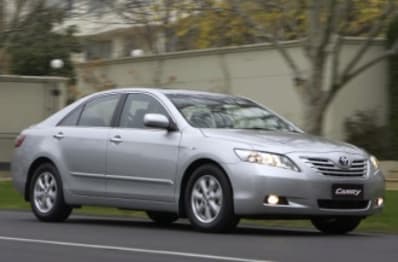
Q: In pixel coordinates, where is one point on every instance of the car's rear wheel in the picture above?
(209, 200)
(162, 218)
(46, 195)
(336, 225)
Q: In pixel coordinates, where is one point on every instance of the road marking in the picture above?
(129, 249)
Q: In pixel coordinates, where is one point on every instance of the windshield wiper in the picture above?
(270, 129)
(258, 128)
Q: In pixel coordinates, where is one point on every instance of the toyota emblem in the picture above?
(344, 162)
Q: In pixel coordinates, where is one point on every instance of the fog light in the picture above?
(272, 199)
(380, 201)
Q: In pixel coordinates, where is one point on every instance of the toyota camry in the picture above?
(211, 158)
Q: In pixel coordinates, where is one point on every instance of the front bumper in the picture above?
(251, 183)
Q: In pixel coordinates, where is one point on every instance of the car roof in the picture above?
(162, 91)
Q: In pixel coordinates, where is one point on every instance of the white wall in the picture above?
(25, 101)
(255, 71)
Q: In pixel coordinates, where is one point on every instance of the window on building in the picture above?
(98, 49)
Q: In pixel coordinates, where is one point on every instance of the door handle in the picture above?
(116, 139)
(59, 135)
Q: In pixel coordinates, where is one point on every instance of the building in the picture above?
(106, 34)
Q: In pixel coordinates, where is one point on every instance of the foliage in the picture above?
(361, 16)
(322, 43)
(36, 44)
(192, 24)
(153, 21)
(320, 27)
(218, 24)
(363, 131)
(392, 34)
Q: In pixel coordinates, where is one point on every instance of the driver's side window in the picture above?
(135, 108)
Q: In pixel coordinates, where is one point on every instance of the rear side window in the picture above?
(99, 113)
(72, 118)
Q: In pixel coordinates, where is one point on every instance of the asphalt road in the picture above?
(105, 239)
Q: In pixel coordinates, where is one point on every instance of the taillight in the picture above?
(19, 140)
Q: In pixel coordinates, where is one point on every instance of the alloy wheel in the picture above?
(206, 199)
(45, 192)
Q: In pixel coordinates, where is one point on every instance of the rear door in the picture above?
(82, 138)
(142, 161)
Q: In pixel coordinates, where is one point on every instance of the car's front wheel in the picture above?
(46, 195)
(209, 200)
(336, 225)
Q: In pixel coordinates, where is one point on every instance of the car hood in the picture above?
(282, 142)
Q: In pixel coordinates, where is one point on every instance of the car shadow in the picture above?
(182, 225)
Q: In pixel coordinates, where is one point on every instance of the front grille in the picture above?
(328, 168)
(343, 204)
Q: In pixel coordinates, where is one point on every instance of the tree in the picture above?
(36, 44)
(27, 40)
(10, 16)
(392, 35)
(323, 38)
(320, 26)
(152, 21)
(155, 18)
(217, 25)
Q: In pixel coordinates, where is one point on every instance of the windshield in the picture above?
(214, 111)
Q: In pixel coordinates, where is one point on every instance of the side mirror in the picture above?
(157, 121)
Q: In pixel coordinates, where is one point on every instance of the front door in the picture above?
(142, 162)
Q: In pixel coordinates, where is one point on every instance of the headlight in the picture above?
(265, 158)
(375, 162)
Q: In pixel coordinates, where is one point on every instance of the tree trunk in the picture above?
(158, 73)
(313, 118)
(2, 18)
(313, 98)
(226, 74)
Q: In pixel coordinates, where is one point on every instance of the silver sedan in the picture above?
(212, 158)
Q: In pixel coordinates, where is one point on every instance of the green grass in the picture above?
(9, 198)
(386, 222)
(12, 200)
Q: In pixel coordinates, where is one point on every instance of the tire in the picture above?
(162, 218)
(46, 195)
(208, 200)
(336, 225)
